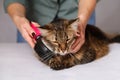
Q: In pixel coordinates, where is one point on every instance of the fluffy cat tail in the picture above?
(115, 39)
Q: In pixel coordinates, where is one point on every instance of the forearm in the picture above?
(18, 14)
(86, 7)
(16, 10)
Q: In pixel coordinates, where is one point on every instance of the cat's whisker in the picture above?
(47, 57)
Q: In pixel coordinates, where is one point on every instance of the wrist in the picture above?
(82, 20)
(17, 17)
(19, 21)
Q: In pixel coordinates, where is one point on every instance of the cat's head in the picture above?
(59, 35)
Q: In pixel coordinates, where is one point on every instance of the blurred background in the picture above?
(107, 18)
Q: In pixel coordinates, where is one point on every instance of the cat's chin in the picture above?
(61, 53)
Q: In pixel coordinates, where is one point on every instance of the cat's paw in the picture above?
(55, 64)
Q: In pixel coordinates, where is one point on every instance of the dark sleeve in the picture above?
(8, 2)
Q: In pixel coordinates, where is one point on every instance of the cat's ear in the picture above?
(47, 26)
(73, 20)
(74, 24)
(44, 30)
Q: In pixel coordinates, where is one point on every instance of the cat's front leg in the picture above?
(59, 62)
(56, 62)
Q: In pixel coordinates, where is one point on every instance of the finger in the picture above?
(77, 44)
(77, 48)
(79, 35)
(77, 41)
(29, 29)
(31, 42)
(36, 24)
(28, 35)
(28, 38)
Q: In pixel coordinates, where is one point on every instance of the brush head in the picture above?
(43, 52)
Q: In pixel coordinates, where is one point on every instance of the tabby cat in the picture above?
(59, 35)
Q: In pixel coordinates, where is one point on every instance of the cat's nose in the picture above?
(63, 47)
(63, 50)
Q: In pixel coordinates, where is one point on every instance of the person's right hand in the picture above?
(25, 29)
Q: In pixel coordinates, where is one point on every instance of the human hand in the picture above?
(25, 29)
(80, 39)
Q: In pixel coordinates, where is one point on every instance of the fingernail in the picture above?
(78, 32)
(33, 34)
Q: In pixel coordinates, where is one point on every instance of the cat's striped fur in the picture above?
(59, 36)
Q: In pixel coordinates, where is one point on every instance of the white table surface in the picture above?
(18, 62)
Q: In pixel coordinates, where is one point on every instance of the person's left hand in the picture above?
(80, 39)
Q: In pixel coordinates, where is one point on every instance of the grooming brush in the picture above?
(44, 53)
